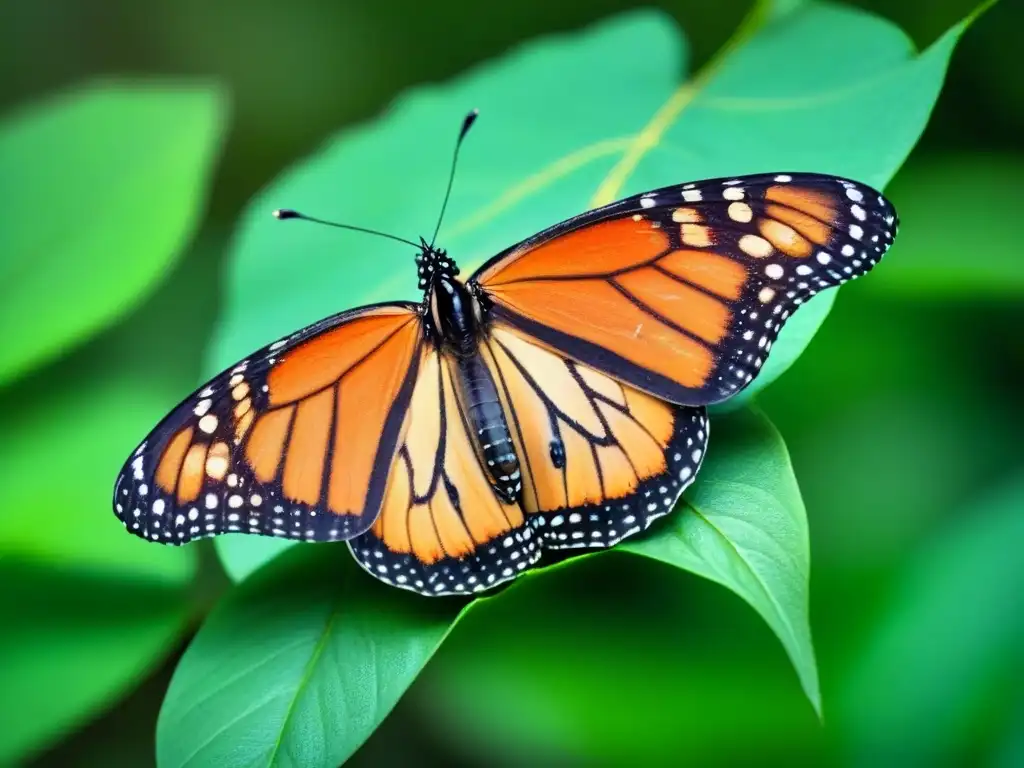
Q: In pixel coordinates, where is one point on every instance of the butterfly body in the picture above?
(458, 324)
(555, 400)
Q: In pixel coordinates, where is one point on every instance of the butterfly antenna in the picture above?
(288, 213)
(467, 123)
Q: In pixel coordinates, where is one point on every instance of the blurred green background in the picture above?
(903, 417)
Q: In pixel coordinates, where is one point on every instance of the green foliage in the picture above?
(88, 610)
(913, 700)
(904, 407)
(110, 181)
(969, 253)
(92, 608)
(745, 527)
(747, 530)
(73, 642)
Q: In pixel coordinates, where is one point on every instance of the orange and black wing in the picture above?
(442, 529)
(681, 292)
(295, 441)
(600, 460)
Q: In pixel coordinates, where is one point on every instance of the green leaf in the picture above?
(297, 666)
(71, 643)
(811, 89)
(935, 260)
(107, 184)
(546, 673)
(743, 525)
(912, 698)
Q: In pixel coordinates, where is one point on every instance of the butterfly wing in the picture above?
(442, 529)
(682, 291)
(295, 441)
(600, 460)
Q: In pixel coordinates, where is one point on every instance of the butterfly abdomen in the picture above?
(486, 421)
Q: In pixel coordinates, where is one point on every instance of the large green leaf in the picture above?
(297, 667)
(812, 89)
(912, 699)
(105, 186)
(744, 526)
(71, 643)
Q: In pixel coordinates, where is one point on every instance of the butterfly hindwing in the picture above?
(295, 441)
(442, 529)
(682, 291)
(600, 460)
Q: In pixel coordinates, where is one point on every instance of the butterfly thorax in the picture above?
(455, 315)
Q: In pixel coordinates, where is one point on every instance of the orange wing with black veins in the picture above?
(681, 292)
(296, 441)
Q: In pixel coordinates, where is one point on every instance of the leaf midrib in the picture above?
(307, 675)
(665, 117)
(748, 566)
(814, 695)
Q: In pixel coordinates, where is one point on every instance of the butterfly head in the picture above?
(433, 264)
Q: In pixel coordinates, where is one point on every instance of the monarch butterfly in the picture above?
(554, 400)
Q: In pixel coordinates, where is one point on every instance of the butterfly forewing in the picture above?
(295, 441)
(681, 292)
